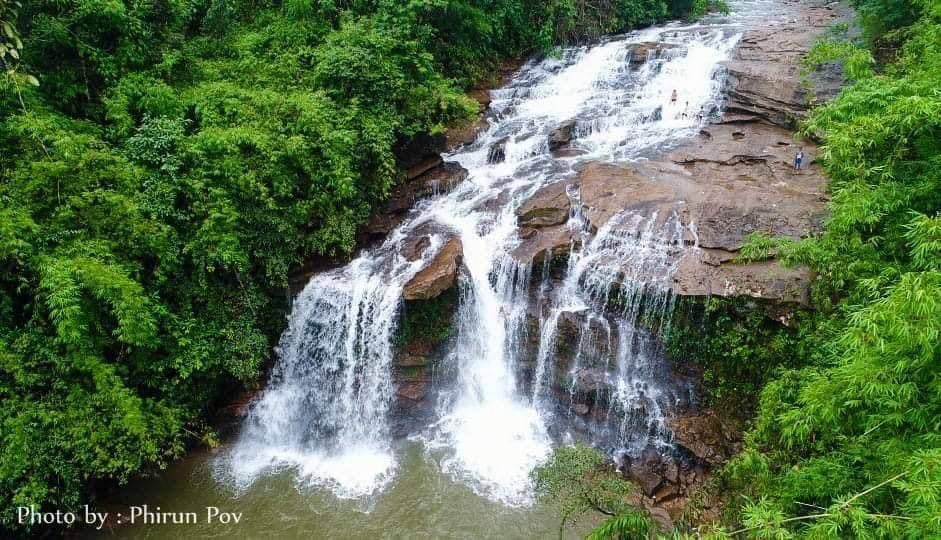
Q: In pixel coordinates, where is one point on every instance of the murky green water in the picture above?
(420, 503)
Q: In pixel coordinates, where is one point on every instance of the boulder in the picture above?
(650, 470)
(411, 152)
(642, 52)
(562, 135)
(440, 274)
(540, 245)
(497, 152)
(422, 166)
(414, 248)
(707, 436)
(549, 206)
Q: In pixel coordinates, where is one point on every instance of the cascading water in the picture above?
(617, 291)
(324, 414)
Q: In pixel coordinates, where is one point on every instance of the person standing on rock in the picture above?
(799, 158)
(673, 97)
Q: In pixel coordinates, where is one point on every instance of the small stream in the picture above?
(316, 457)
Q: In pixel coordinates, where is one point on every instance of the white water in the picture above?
(325, 412)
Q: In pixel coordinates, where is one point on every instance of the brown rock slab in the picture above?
(549, 206)
(562, 135)
(412, 390)
(764, 74)
(440, 274)
(438, 179)
(707, 436)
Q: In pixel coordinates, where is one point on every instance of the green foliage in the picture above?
(848, 445)
(857, 62)
(631, 525)
(10, 44)
(427, 322)
(736, 344)
(580, 479)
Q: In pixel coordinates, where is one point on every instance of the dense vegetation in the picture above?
(580, 479)
(163, 166)
(850, 444)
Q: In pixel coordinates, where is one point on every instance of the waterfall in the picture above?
(324, 414)
(617, 288)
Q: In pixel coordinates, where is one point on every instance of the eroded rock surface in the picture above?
(734, 179)
(764, 74)
(439, 275)
(549, 206)
(562, 135)
(434, 179)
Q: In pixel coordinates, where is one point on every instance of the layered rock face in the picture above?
(764, 79)
(734, 179)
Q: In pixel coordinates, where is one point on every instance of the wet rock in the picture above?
(647, 470)
(707, 436)
(591, 380)
(418, 149)
(481, 96)
(643, 52)
(589, 386)
(724, 187)
(562, 135)
(438, 179)
(549, 206)
(407, 360)
(542, 245)
(422, 167)
(414, 248)
(581, 409)
(439, 275)
(414, 390)
(497, 153)
(607, 190)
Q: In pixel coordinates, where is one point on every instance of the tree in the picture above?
(580, 479)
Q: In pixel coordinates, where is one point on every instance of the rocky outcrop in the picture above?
(550, 206)
(497, 152)
(562, 135)
(734, 179)
(702, 441)
(764, 73)
(440, 274)
(434, 179)
(644, 52)
(707, 436)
